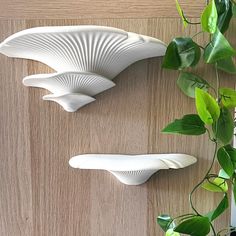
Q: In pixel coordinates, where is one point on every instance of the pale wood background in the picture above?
(40, 194)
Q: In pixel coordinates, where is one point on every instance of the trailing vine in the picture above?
(214, 106)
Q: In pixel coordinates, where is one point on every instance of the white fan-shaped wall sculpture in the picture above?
(85, 57)
(71, 102)
(102, 50)
(71, 90)
(70, 82)
(132, 169)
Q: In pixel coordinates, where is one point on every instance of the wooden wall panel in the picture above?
(43, 196)
(84, 9)
(15, 168)
(61, 195)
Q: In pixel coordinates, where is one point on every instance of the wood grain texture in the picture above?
(84, 9)
(15, 168)
(43, 196)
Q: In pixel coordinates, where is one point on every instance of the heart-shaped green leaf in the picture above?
(197, 226)
(170, 232)
(217, 185)
(189, 125)
(231, 151)
(165, 222)
(224, 11)
(171, 59)
(181, 53)
(218, 49)
(187, 82)
(209, 18)
(224, 204)
(225, 161)
(224, 127)
(207, 107)
(197, 55)
(188, 51)
(223, 174)
(228, 97)
(227, 65)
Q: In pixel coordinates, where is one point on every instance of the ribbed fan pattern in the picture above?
(71, 102)
(70, 82)
(101, 50)
(85, 57)
(133, 177)
(130, 173)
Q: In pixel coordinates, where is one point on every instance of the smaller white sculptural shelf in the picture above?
(71, 102)
(132, 169)
(71, 90)
(102, 50)
(70, 82)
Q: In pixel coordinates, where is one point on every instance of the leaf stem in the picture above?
(217, 82)
(200, 183)
(209, 135)
(213, 229)
(183, 217)
(201, 47)
(197, 34)
(213, 90)
(214, 156)
(191, 23)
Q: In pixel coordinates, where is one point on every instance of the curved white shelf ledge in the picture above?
(70, 82)
(132, 169)
(86, 48)
(71, 102)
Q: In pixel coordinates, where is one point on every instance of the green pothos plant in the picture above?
(214, 108)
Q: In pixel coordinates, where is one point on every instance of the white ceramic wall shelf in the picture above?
(70, 82)
(85, 57)
(71, 102)
(102, 50)
(132, 169)
(71, 90)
